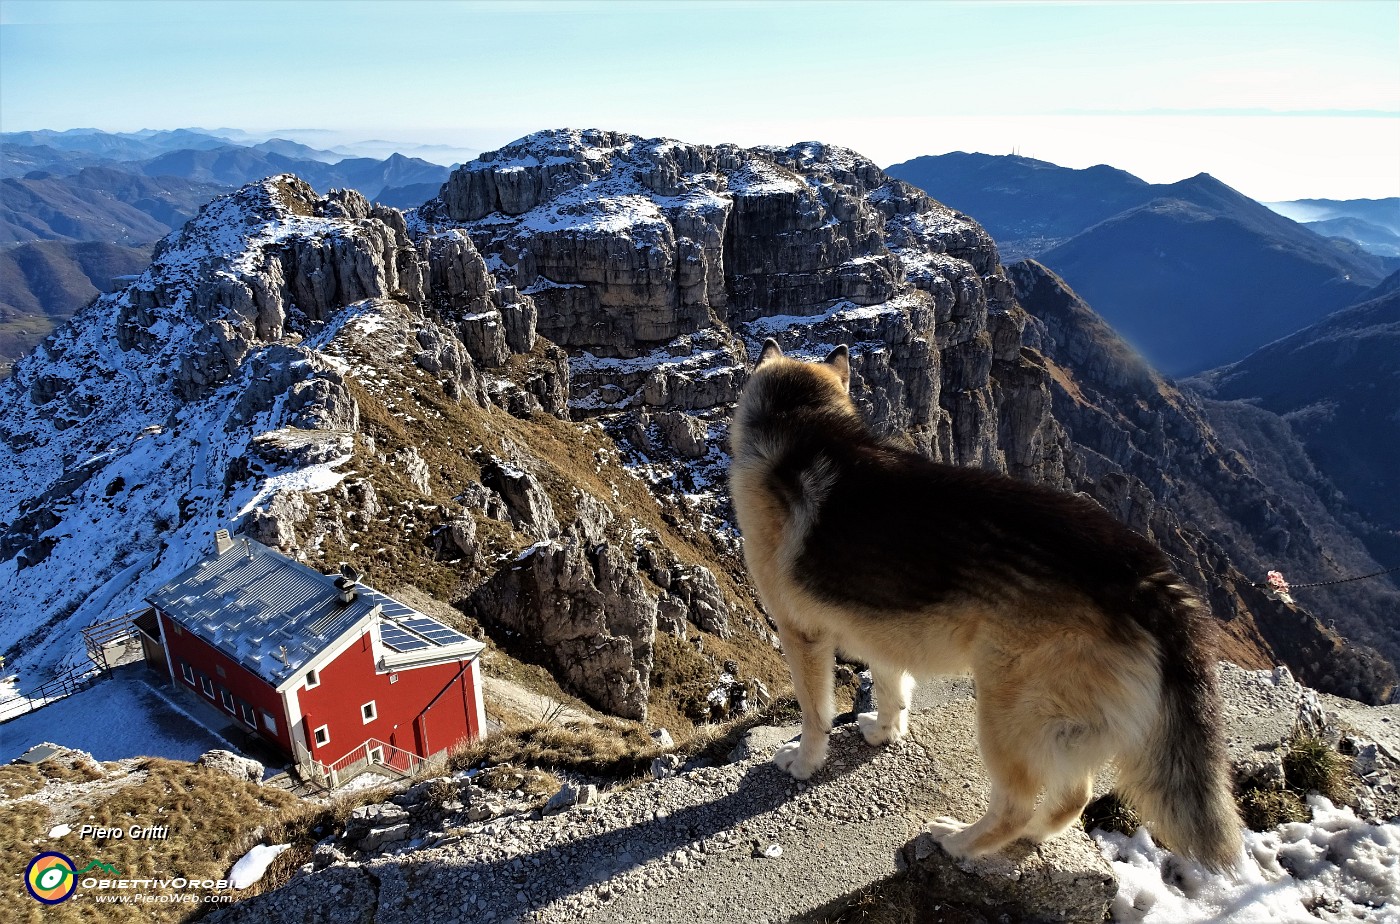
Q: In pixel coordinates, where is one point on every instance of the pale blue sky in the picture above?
(1281, 100)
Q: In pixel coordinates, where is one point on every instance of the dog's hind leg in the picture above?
(1010, 757)
(1063, 803)
(1012, 805)
(811, 659)
(890, 720)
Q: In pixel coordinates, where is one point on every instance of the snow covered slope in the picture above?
(132, 434)
(544, 359)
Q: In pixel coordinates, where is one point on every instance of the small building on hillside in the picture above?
(335, 674)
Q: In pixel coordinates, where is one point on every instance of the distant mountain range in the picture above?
(128, 190)
(1194, 273)
(1372, 238)
(1337, 383)
(1384, 213)
(206, 158)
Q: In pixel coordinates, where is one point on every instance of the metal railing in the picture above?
(98, 638)
(57, 687)
(372, 754)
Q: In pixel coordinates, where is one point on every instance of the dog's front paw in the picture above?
(800, 759)
(948, 832)
(874, 732)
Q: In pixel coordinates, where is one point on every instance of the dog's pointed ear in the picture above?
(771, 350)
(840, 360)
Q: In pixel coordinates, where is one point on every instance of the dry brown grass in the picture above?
(681, 679)
(530, 782)
(19, 780)
(1309, 766)
(211, 817)
(1110, 813)
(453, 438)
(1264, 809)
(613, 749)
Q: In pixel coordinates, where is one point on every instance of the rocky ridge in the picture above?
(1161, 460)
(619, 241)
(517, 397)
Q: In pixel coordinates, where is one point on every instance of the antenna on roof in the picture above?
(247, 547)
(282, 655)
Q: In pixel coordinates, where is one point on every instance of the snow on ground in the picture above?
(843, 311)
(253, 864)
(1336, 868)
(112, 720)
(131, 483)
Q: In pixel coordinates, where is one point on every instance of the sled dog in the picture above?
(1084, 646)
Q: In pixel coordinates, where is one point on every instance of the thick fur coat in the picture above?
(1084, 645)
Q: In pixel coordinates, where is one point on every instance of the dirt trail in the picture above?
(508, 699)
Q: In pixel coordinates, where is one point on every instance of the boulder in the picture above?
(1063, 879)
(376, 838)
(379, 815)
(414, 468)
(231, 764)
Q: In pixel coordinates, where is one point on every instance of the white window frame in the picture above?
(313, 679)
(244, 711)
(227, 698)
(373, 711)
(207, 686)
(316, 736)
(394, 677)
(376, 755)
(269, 723)
(188, 673)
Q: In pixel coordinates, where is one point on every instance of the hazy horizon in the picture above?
(1279, 100)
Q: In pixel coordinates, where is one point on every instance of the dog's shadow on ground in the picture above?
(559, 870)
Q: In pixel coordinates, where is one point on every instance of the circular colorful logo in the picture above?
(50, 878)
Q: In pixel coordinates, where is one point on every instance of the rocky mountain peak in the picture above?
(519, 394)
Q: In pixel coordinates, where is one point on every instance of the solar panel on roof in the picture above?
(392, 607)
(400, 639)
(435, 630)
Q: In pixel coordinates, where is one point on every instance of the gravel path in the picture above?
(697, 847)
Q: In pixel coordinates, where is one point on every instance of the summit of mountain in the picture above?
(516, 398)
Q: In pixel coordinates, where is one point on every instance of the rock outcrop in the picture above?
(584, 611)
(329, 376)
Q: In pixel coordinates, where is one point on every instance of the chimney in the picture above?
(222, 542)
(347, 582)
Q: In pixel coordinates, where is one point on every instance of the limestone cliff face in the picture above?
(1151, 454)
(661, 266)
(658, 264)
(518, 398)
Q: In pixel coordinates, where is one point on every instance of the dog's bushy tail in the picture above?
(1180, 780)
